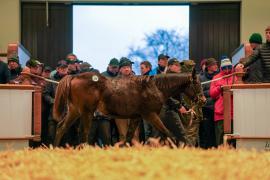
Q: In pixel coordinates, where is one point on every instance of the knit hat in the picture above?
(255, 38)
(225, 62)
(210, 61)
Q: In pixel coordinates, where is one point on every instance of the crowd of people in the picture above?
(200, 126)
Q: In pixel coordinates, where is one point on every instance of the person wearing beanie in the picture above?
(253, 73)
(255, 38)
(261, 53)
(14, 67)
(226, 68)
(207, 126)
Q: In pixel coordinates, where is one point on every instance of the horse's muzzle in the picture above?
(202, 100)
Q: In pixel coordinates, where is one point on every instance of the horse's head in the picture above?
(194, 90)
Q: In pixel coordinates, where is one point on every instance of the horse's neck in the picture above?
(171, 92)
(173, 86)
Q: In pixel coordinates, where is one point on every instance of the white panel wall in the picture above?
(15, 113)
(252, 112)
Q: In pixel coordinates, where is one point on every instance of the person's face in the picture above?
(163, 62)
(254, 45)
(144, 69)
(113, 69)
(12, 65)
(40, 68)
(34, 70)
(212, 68)
(125, 70)
(175, 68)
(226, 69)
(72, 57)
(46, 74)
(62, 71)
(267, 36)
(72, 67)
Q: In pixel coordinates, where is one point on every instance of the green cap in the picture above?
(114, 62)
(33, 63)
(173, 61)
(125, 62)
(14, 59)
(255, 38)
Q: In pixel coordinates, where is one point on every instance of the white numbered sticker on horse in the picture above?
(95, 78)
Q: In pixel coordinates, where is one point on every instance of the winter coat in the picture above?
(216, 94)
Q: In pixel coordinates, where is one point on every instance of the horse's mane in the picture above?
(167, 81)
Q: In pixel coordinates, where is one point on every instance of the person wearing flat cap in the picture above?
(173, 66)
(125, 67)
(125, 71)
(25, 79)
(169, 113)
(48, 96)
(103, 127)
(162, 64)
(112, 69)
(207, 126)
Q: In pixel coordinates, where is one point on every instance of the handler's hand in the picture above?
(239, 68)
(183, 110)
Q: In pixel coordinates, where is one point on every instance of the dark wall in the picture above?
(49, 44)
(214, 30)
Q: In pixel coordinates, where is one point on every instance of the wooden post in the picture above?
(227, 109)
(37, 112)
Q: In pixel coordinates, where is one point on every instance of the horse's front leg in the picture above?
(133, 125)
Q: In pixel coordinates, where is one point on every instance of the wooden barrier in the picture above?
(251, 107)
(20, 110)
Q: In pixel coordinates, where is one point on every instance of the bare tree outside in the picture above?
(170, 42)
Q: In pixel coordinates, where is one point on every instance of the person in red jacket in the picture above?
(226, 68)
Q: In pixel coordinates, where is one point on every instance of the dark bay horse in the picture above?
(135, 97)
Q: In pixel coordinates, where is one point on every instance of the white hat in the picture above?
(225, 62)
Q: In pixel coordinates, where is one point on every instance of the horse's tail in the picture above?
(61, 98)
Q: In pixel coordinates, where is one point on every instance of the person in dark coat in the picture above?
(261, 53)
(49, 126)
(4, 73)
(103, 129)
(207, 126)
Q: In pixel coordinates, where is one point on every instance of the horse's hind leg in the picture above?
(65, 124)
(154, 119)
(86, 120)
